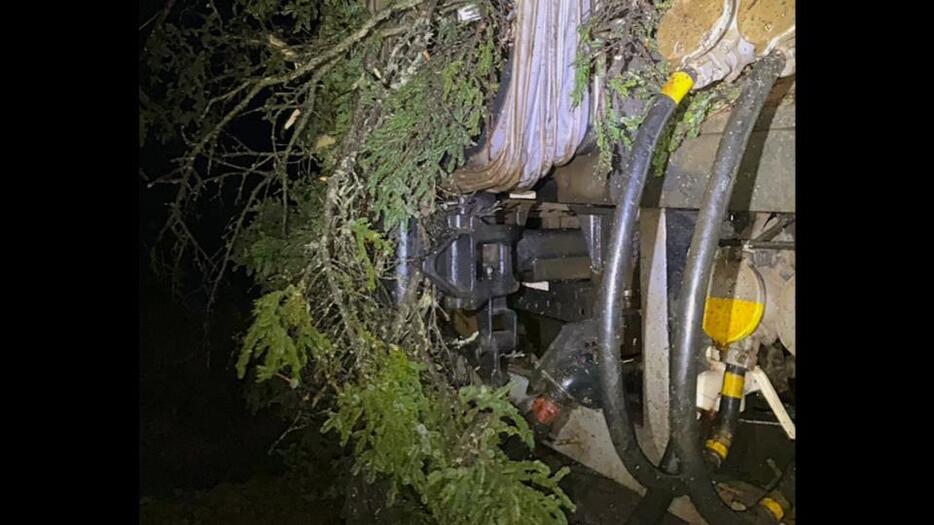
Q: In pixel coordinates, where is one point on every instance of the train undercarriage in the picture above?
(646, 324)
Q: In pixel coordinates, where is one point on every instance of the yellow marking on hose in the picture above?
(717, 447)
(678, 85)
(773, 507)
(733, 385)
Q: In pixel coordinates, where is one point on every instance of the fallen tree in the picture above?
(327, 125)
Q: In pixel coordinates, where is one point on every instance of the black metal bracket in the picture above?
(474, 268)
(497, 338)
(475, 264)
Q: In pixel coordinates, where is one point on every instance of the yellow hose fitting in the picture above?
(773, 507)
(717, 448)
(677, 86)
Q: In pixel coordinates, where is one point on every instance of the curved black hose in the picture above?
(687, 351)
(652, 508)
(609, 308)
(654, 505)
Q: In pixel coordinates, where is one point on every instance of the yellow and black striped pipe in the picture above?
(731, 398)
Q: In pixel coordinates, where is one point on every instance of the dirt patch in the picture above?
(686, 26)
(599, 500)
(260, 500)
(762, 21)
